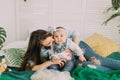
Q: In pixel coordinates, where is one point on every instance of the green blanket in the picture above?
(114, 55)
(15, 74)
(80, 73)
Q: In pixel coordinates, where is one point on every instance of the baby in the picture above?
(60, 49)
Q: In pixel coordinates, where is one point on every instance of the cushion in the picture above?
(14, 56)
(102, 45)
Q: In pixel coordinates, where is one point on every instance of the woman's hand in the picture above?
(54, 58)
(60, 62)
(82, 58)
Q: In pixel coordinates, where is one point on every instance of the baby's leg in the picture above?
(54, 67)
(69, 65)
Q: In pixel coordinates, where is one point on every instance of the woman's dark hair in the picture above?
(33, 52)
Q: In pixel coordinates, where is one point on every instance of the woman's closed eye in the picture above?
(56, 36)
(48, 41)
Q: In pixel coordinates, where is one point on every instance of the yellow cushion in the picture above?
(102, 45)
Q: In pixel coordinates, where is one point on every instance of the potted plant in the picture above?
(116, 12)
(2, 36)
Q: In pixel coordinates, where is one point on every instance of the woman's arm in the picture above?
(43, 65)
(76, 49)
(48, 63)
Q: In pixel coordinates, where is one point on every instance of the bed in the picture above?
(15, 50)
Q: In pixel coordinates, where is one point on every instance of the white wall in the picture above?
(86, 16)
(7, 18)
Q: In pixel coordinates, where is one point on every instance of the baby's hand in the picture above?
(82, 58)
(60, 62)
(54, 58)
(68, 51)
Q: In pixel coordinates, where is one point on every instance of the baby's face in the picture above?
(59, 36)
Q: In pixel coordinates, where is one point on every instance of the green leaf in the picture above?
(2, 35)
(109, 9)
(116, 4)
(1, 42)
(2, 38)
(112, 17)
(115, 7)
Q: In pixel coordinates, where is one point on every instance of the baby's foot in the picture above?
(93, 59)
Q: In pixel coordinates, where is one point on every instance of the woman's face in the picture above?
(48, 41)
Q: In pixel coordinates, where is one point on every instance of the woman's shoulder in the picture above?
(72, 33)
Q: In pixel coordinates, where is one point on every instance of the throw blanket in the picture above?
(46, 74)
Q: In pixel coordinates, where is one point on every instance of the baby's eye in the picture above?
(56, 36)
(61, 36)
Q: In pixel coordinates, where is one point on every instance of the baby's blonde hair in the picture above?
(58, 30)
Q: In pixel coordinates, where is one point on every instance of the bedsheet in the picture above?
(15, 74)
(79, 73)
(86, 73)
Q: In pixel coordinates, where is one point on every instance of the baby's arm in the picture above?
(76, 49)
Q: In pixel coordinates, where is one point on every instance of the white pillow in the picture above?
(51, 75)
(16, 44)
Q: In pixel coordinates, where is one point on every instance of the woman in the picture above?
(36, 56)
(34, 59)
